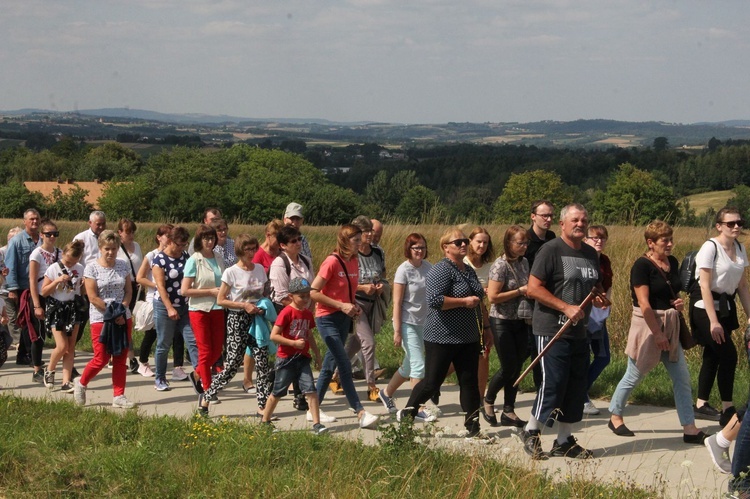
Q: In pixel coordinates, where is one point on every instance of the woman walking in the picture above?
(39, 260)
(409, 313)
(200, 284)
(333, 290)
(510, 320)
(61, 288)
(654, 332)
(456, 328)
(107, 282)
(130, 251)
(720, 267)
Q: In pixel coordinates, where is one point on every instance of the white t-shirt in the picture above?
(44, 259)
(90, 246)
(483, 272)
(136, 257)
(73, 287)
(245, 285)
(725, 273)
(414, 306)
(110, 281)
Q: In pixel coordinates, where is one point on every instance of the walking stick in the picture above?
(595, 293)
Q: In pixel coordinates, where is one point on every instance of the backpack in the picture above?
(688, 276)
(288, 267)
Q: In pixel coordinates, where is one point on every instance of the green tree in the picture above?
(38, 167)
(17, 199)
(741, 199)
(330, 205)
(634, 197)
(661, 144)
(127, 200)
(109, 161)
(416, 204)
(522, 189)
(71, 205)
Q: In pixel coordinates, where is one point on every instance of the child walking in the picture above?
(292, 332)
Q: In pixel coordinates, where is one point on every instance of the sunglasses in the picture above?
(734, 223)
(459, 242)
(294, 241)
(56, 233)
(417, 248)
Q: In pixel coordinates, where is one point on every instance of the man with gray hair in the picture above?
(564, 273)
(17, 259)
(90, 237)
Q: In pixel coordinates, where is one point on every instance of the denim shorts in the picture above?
(296, 368)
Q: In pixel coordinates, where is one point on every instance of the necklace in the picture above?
(664, 265)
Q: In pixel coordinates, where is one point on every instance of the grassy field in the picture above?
(705, 200)
(625, 245)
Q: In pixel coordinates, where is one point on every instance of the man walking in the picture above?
(565, 271)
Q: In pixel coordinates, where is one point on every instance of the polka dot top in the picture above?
(174, 269)
(457, 325)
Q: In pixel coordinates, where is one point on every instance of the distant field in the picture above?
(705, 200)
(10, 143)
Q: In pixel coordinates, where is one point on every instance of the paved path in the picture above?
(655, 457)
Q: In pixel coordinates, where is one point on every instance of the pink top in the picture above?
(336, 286)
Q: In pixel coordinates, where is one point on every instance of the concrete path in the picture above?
(655, 458)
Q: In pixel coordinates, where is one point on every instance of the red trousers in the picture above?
(208, 328)
(101, 359)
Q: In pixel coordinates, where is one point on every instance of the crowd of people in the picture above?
(232, 302)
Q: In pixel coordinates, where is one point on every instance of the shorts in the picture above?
(296, 368)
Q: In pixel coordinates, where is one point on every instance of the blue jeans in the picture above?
(334, 328)
(678, 372)
(600, 349)
(165, 330)
(741, 457)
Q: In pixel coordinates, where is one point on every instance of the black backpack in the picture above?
(688, 277)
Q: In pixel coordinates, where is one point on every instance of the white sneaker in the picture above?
(425, 417)
(145, 370)
(368, 420)
(121, 402)
(79, 393)
(590, 408)
(324, 418)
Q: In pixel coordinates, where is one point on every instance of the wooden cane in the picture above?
(595, 293)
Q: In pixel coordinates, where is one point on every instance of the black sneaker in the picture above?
(38, 377)
(300, 403)
(532, 444)
(726, 415)
(197, 383)
(706, 412)
(202, 409)
(436, 398)
(75, 374)
(571, 449)
(67, 388)
(134, 366)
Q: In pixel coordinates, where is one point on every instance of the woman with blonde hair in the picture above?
(455, 331)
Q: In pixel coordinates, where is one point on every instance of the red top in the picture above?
(295, 324)
(262, 258)
(336, 284)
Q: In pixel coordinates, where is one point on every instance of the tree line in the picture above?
(439, 184)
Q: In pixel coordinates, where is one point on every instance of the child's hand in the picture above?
(298, 344)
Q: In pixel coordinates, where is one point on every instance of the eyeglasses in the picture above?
(208, 238)
(597, 239)
(734, 223)
(459, 242)
(250, 249)
(294, 241)
(417, 248)
(523, 243)
(221, 230)
(53, 233)
(546, 216)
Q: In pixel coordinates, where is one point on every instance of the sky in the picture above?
(396, 61)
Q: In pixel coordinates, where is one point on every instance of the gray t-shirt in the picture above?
(414, 306)
(569, 274)
(501, 271)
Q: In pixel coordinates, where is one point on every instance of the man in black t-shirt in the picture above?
(564, 272)
(542, 213)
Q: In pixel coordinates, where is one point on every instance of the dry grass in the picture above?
(705, 200)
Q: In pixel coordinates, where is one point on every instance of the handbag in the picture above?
(143, 315)
(525, 306)
(686, 337)
(353, 323)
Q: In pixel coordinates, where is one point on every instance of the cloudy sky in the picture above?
(407, 61)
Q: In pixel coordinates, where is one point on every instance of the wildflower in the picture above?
(686, 463)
